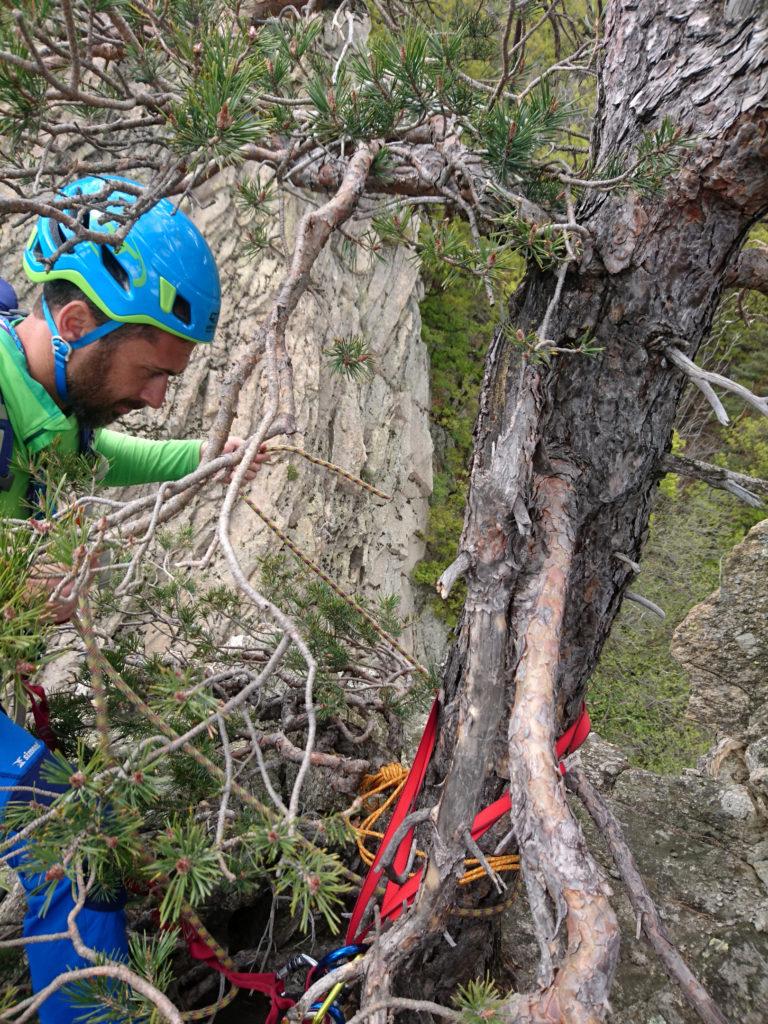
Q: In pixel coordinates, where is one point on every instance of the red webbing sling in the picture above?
(268, 984)
(41, 714)
(397, 896)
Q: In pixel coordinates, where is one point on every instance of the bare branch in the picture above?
(452, 574)
(644, 602)
(651, 924)
(701, 377)
(738, 484)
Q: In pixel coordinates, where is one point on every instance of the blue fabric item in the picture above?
(8, 298)
(101, 924)
(6, 447)
(163, 274)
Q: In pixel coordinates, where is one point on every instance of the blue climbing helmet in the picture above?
(163, 274)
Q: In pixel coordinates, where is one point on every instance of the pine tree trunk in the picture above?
(567, 459)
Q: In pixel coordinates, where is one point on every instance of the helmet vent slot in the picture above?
(182, 309)
(56, 233)
(114, 268)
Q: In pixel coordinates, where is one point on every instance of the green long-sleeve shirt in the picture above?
(38, 423)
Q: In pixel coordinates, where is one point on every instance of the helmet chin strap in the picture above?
(62, 349)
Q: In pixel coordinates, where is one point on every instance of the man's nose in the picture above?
(153, 392)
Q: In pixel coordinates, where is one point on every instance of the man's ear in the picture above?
(74, 320)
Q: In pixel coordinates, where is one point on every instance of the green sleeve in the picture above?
(135, 460)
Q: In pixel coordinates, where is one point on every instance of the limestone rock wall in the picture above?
(723, 642)
(377, 429)
(723, 646)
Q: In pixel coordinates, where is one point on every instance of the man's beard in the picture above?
(86, 387)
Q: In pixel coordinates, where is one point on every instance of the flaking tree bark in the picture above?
(566, 463)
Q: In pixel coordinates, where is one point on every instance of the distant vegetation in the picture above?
(638, 694)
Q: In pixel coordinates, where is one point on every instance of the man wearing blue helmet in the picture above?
(111, 327)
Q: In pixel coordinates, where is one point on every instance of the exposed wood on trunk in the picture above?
(562, 878)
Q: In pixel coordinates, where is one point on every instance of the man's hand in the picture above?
(261, 456)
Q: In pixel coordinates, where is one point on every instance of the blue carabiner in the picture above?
(334, 1011)
(332, 959)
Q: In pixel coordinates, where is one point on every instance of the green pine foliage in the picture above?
(480, 1002)
(104, 1000)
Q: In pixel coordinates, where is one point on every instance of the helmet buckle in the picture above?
(61, 348)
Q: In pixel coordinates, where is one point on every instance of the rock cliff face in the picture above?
(377, 429)
(723, 643)
(701, 839)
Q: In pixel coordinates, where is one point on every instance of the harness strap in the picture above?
(63, 349)
(6, 447)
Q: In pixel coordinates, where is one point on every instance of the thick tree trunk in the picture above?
(544, 577)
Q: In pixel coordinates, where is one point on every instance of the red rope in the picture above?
(41, 714)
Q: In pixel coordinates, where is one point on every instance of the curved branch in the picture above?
(709, 377)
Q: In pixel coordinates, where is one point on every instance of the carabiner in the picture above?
(295, 964)
(335, 957)
(334, 1011)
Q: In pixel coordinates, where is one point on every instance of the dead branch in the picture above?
(644, 602)
(738, 484)
(642, 903)
(707, 377)
(314, 230)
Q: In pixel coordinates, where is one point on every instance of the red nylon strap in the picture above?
(41, 714)
(268, 984)
(396, 897)
(410, 792)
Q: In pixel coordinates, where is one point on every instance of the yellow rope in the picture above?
(392, 777)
